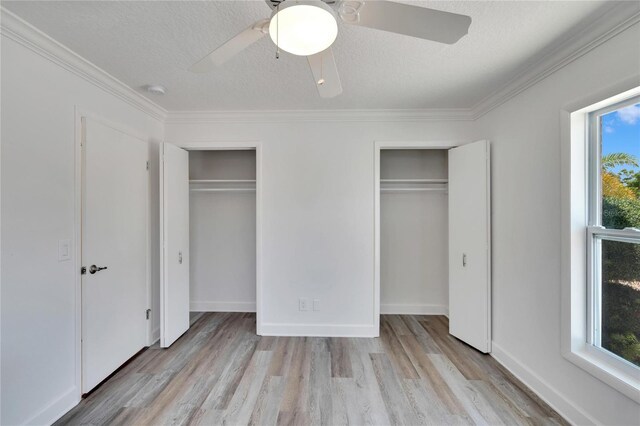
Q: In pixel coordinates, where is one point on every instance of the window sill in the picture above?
(615, 372)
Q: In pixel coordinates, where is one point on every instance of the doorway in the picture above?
(220, 192)
(438, 242)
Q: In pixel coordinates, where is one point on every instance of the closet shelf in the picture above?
(222, 185)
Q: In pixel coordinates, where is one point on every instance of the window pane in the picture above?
(620, 147)
(620, 297)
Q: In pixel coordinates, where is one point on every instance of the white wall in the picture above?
(414, 269)
(38, 292)
(525, 138)
(317, 213)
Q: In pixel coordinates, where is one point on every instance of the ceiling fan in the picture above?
(309, 28)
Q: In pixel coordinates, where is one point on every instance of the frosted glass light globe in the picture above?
(303, 28)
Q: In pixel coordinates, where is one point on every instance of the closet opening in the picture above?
(210, 233)
(413, 216)
(433, 235)
(222, 231)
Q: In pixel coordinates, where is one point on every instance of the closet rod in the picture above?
(413, 180)
(222, 189)
(222, 180)
(412, 189)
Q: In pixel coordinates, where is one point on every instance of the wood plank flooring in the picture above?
(220, 372)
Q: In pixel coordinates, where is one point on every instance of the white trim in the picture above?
(77, 242)
(214, 145)
(574, 222)
(56, 408)
(335, 115)
(20, 31)
(393, 144)
(150, 248)
(377, 146)
(413, 309)
(568, 409)
(210, 306)
(161, 242)
(240, 145)
(619, 17)
(319, 330)
(489, 254)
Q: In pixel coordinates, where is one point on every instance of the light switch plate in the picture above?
(64, 250)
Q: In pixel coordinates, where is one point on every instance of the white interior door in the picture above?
(174, 218)
(114, 237)
(469, 245)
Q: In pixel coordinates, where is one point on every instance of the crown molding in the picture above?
(23, 33)
(337, 115)
(575, 44)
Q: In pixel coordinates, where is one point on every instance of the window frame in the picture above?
(578, 176)
(596, 232)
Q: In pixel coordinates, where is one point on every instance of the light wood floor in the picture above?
(220, 372)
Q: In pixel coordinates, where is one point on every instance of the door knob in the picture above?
(93, 269)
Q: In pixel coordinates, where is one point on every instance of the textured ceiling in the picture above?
(155, 42)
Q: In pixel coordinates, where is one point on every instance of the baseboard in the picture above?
(556, 400)
(413, 309)
(319, 330)
(56, 409)
(197, 306)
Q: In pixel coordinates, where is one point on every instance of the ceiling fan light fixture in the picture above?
(303, 28)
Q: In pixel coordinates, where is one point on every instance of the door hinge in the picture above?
(147, 165)
(148, 313)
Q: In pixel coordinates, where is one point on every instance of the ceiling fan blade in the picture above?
(325, 73)
(414, 21)
(232, 47)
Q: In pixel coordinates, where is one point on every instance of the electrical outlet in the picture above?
(316, 304)
(303, 304)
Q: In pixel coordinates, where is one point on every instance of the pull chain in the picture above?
(278, 32)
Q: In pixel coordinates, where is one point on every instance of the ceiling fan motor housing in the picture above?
(275, 3)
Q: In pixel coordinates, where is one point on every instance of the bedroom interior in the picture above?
(320, 212)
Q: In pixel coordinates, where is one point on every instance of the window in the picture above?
(600, 260)
(613, 231)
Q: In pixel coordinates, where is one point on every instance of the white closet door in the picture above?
(469, 245)
(115, 203)
(174, 240)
